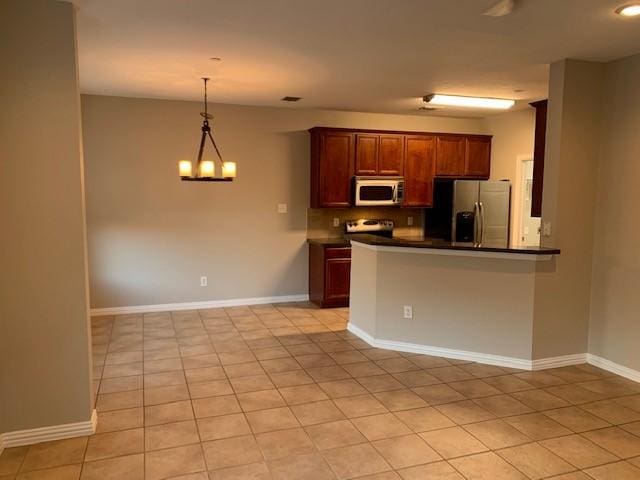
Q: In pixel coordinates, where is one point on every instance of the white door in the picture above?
(529, 226)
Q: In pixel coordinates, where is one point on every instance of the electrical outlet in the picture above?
(408, 311)
(546, 229)
(203, 281)
(409, 221)
(336, 222)
(282, 208)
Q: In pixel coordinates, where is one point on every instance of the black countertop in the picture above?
(330, 242)
(434, 243)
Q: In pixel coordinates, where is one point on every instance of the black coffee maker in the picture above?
(465, 222)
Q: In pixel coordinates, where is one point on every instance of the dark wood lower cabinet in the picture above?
(329, 275)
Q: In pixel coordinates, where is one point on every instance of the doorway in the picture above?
(529, 227)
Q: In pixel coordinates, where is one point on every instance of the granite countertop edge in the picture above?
(428, 243)
(330, 242)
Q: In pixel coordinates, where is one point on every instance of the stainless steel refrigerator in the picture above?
(487, 203)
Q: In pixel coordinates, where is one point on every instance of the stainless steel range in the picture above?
(383, 228)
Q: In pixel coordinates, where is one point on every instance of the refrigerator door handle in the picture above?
(476, 221)
(481, 208)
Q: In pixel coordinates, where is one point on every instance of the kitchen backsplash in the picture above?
(320, 220)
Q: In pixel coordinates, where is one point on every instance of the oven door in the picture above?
(376, 192)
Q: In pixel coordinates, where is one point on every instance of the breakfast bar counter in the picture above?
(472, 302)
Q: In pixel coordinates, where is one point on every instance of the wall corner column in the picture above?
(45, 347)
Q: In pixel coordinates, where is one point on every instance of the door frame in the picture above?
(517, 213)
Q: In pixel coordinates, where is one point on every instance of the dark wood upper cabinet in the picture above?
(367, 154)
(450, 155)
(339, 154)
(379, 154)
(391, 155)
(539, 143)
(478, 157)
(419, 171)
(332, 155)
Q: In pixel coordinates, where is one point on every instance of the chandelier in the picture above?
(205, 170)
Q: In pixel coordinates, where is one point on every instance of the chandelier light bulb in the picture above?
(207, 169)
(184, 167)
(229, 169)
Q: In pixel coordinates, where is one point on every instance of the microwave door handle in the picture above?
(395, 193)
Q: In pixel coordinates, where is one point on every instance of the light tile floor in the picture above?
(285, 392)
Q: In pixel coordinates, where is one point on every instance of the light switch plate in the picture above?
(336, 222)
(407, 311)
(282, 208)
(409, 221)
(546, 229)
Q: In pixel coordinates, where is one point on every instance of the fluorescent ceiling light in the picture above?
(629, 10)
(472, 102)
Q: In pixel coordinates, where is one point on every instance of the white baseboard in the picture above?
(165, 307)
(613, 367)
(47, 434)
(561, 361)
(489, 359)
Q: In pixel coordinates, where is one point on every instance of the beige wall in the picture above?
(364, 290)
(151, 236)
(615, 304)
(45, 374)
(513, 135)
(570, 179)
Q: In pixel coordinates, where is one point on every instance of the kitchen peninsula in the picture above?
(463, 301)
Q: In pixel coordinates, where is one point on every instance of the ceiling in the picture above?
(362, 55)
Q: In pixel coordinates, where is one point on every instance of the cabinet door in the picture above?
(450, 152)
(419, 170)
(366, 154)
(478, 158)
(391, 155)
(337, 281)
(335, 169)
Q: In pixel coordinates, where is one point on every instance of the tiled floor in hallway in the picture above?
(285, 392)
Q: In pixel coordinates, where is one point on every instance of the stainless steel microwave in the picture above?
(375, 191)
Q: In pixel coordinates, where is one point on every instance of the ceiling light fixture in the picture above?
(500, 9)
(205, 169)
(631, 10)
(469, 102)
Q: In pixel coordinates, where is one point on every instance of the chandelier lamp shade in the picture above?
(205, 170)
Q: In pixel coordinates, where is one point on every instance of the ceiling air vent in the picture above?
(290, 99)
